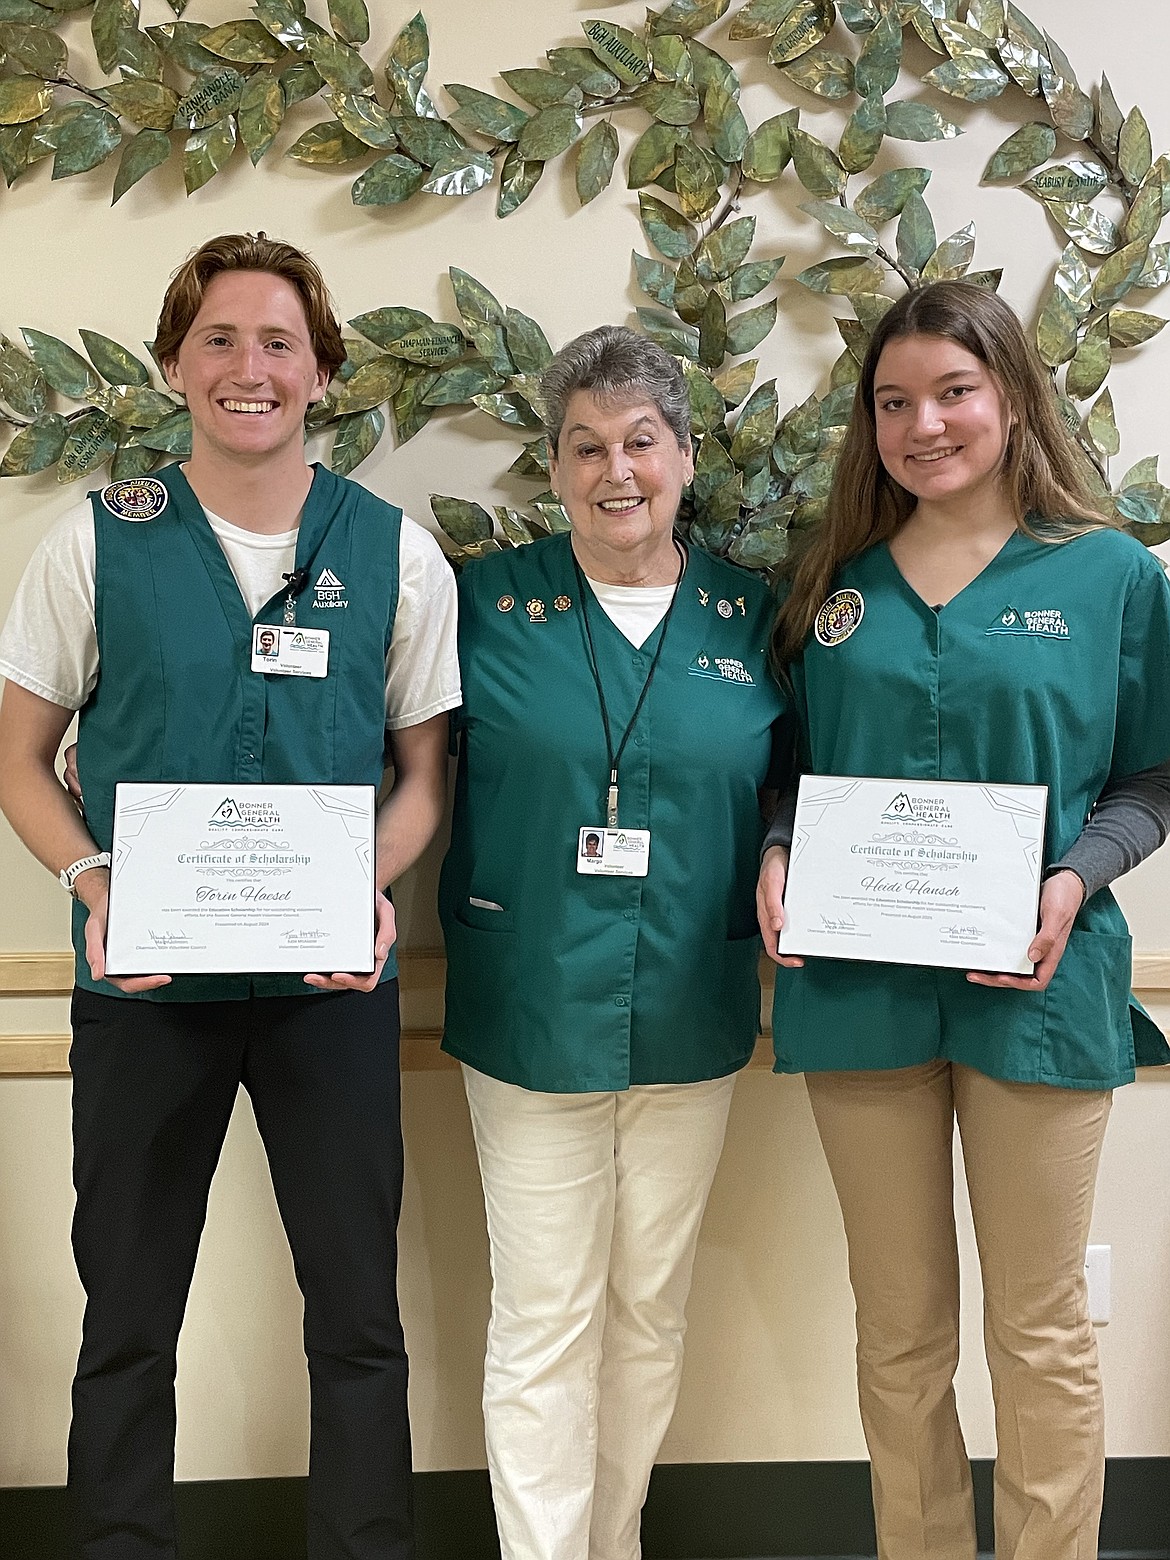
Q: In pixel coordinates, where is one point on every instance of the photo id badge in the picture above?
(613, 852)
(290, 652)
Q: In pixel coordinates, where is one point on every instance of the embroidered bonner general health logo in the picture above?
(724, 668)
(1047, 622)
(328, 591)
(839, 617)
(135, 498)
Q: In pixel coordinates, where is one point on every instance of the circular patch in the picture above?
(839, 616)
(135, 498)
(724, 609)
(505, 603)
(562, 603)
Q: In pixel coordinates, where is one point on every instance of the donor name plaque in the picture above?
(241, 879)
(933, 872)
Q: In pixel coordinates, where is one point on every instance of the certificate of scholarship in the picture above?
(933, 872)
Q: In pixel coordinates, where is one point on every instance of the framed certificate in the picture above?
(934, 872)
(241, 879)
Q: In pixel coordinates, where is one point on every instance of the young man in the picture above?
(139, 611)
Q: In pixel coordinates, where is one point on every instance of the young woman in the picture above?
(968, 586)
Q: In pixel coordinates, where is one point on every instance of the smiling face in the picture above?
(247, 369)
(941, 419)
(620, 473)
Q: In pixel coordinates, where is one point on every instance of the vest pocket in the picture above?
(1087, 1035)
(481, 918)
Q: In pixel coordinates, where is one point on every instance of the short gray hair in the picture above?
(614, 362)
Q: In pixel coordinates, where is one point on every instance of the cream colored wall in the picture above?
(769, 1372)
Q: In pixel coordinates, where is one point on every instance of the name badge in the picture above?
(290, 652)
(613, 852)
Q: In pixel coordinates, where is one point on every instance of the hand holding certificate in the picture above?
(930, 872)
(241, 879)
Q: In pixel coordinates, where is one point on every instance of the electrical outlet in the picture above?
(1098, 1275)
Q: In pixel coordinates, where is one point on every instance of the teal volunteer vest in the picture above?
(176, 700)
(574, 982)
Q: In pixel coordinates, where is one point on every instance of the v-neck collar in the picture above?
(920, 602)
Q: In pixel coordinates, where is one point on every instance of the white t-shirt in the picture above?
(49, 642)
(636, 610)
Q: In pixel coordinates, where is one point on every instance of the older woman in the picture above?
(619, 723)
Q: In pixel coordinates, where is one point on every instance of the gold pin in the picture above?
(562, 603)
(535, 610)
(704, 595)
(505, 603)
(742, 605)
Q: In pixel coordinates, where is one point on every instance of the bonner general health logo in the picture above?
(328, 591)
(916, 809)
(1047, 622)
(231, 814)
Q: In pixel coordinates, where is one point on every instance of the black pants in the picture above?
(153, 1088)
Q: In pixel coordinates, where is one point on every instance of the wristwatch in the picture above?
(68, 876)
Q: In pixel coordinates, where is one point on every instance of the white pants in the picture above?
(593, 1209)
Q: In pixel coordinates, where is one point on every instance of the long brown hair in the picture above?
(1045, 475)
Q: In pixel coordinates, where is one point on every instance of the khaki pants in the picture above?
(1030, 1153)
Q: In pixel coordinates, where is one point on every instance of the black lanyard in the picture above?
(611, 806)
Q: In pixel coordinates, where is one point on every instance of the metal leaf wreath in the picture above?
(198, 91)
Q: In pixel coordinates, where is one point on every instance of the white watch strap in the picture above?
(69, 875)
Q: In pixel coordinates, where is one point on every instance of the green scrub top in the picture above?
(1052, 667)
(576, 982)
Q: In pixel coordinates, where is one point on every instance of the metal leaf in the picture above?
(356, 437)
(1141, 474)
(89, 444)
(584, 68)
(886, 196)
(745, 331)
(817, 167)
(206, 152)
(299, 82)
(1109, 120)
(179, 42)
(1071, 109)
(952, 257)
(680, 339)
(988, 17)
(487, 115)
(406, 68)
(1022, 50)
(484, 319)
(808, 23)
(527, 344)
(670, 102)
(962, 40)
(114, 363)
(760, 18)
(756, 427)
(549, 132)
(763, 546)
(66, 371)
(687, 17)
(735, 381)
(768, 149)
(340, 67)
(1089, 368)
(36, 447)
(723, 250)
(1073, 278)
(458, 386)
(1130, 327)
(140, 406)
(22, 384)
(504, 407)
(34, 49)
(1145, 504)
(1144, 217)
(906, 121)
(16, 146)
(1101, 425)
(23, 98)
(411, 414)
(147, 150)
(725, 123)
(619, 50)
(1157, 267)
(824, 72)
(172, 437)
(518, 179)
(543, 88)
(350, 20)
(880, 57)
(367, 119)
(1078, 181)
(1090, 229)
(462, 520)
(88, 139)
(1025, 149)
(1056, 329)
(652, 154)
(139, 56)
(430, 343)
(713, 332)
(131, 459)
(460, 175)
(1118, 274)
(916, 237)
(862, 136)
(670, 59)
(655, 279)
(371, 385)
(246, 42)
(514, 525)
(110, 17)
(853, 231)
(751, 279)
(146, 103)
(261, 113)
(1134, 149)
(286, 21)
(973, 78)
(848, 274)
(428, 140)
(597, 152)
(710, 68)
(25, 12)
(860, 16)
(671, 234)
(714, 468)
(532, 460)
(696, 177)
(706, 402)
(210, 99)
(328, 145)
